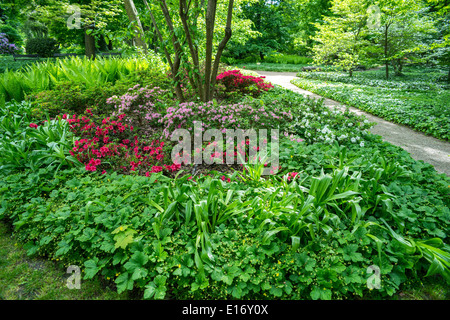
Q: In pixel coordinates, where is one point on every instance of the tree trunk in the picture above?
(448, 77)
(210, 20)
(195, 79)
(386, 50)
(175, 64)
(222, 45)
(134, 18)
(204, 90)
(89, 45)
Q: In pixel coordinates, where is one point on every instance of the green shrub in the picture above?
(288, 59)
(44, 47)
(72, 98)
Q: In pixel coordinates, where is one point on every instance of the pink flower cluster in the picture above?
(214, 116)
(143, 105)
(291, 176)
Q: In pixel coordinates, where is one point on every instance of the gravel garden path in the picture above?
(421, 147)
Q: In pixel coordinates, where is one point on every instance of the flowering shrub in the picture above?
(212, 115)
(112, 145)
(143, 105)
(5, 46)
(235, 81)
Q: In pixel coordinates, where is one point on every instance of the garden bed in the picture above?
(93, 185)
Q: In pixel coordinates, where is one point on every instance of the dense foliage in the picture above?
(89, 177)
(82, 75)
(341, 202)
(44, 47)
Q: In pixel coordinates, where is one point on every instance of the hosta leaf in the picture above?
(64, 247)
(136, 265)
(91, 268)
(124, 282)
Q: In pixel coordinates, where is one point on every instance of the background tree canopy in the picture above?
(343, 33)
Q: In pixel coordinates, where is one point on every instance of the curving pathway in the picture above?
(421, 147)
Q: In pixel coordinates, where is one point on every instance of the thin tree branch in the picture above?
(192, 47)
(158, 33)
(210, 21)
(222, 45)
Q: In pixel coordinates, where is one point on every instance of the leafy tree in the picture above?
(340, 40)
(181, 22)
(136, 22)
(268, 21)
(304, 17)
(96, 19)
(401, 26)
(275, 26)
(354, 33)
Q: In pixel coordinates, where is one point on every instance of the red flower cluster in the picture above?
(234, 80)
(108, 146)
(224, 178)
(291, 176)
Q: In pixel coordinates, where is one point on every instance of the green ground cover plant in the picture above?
(418, 100)
(33, 278)
(342, 201)
(213, 239)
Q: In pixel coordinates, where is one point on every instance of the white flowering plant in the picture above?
(421, 104)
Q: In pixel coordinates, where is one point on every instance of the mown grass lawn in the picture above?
(33, 278)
